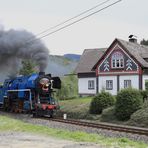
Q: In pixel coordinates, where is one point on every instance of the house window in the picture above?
(127, 83)
(91, 84)
(117, 60)
(109, 84)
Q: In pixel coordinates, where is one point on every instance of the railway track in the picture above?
(113, 127)
(105, 126)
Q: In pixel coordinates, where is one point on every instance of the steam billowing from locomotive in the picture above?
(15, 46)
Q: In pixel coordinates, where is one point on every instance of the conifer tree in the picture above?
(28, 67)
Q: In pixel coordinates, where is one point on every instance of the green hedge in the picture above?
(127, 102)
(100, 102)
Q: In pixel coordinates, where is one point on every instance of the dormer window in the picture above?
(117, 60)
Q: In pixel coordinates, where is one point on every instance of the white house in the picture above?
(123, 64)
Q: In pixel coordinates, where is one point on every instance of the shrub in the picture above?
(146, 85)
(140, 117)
(108, 114)
(100, 102)
(69, 88)
(145, 104)
(144, 94)
(127, 102)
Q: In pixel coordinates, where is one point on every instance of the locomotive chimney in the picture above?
(41, 73)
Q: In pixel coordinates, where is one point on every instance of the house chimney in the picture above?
(132, 38)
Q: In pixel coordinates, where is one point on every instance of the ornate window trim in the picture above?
(117, 60)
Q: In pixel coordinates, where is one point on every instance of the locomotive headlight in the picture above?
(47, 85)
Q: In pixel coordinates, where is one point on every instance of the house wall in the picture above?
(102, 84)
(144, 78)
(83, 86)
(134, 81)
(116, 64)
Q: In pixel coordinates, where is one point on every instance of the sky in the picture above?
(98, 31)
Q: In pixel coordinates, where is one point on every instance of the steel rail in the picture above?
(105, 126)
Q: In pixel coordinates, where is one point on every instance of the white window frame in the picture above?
(91, 84)
(109, 84)
(117, 60)
(127, 83)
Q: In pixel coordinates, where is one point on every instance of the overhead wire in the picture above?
(74, 22)
(100, 4)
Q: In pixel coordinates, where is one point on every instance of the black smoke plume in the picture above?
(15, 46)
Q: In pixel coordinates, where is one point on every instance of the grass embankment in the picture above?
(77, 108)
(9, 124)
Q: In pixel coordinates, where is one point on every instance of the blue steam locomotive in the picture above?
(32, 93)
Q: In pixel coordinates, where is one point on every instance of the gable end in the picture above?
(117, 60)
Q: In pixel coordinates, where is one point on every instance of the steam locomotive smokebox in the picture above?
(41, 73)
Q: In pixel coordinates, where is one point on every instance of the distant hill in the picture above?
(61, 65)
(74, 57)
(57, 66)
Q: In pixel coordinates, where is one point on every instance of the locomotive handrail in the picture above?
(19, 90)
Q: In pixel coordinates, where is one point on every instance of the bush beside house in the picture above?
(127, 102)
(100, 102)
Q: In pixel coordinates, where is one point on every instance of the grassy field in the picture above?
(75, 104)
(9, 124)
(77, 108)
